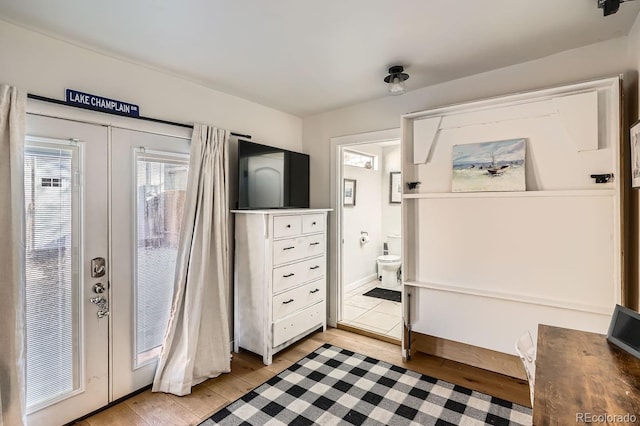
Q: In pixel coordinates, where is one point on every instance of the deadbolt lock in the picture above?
(98, 267)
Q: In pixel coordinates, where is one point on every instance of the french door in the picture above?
(149, 182)
(67, 321)
(104, 208)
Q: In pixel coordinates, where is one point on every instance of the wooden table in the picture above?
(581, 376)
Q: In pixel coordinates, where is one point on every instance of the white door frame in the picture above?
(336, 227)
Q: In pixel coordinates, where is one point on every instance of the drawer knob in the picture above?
(315, 244)
(288, 275)
(315, 267)
(287, 302)
(313, 224)
(314, 291)
(288, 248)
(288, 226)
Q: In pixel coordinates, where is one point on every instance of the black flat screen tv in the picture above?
(271, 178)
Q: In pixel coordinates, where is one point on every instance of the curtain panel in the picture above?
(12, 256)
(197, 342)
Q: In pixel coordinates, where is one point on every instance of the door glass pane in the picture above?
(161, 183)
(52, 284)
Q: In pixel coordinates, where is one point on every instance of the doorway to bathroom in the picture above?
(368, 203)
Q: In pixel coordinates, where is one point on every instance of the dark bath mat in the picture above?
(386, 294)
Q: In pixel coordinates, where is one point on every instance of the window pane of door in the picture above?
(52, 284)
(161, 182)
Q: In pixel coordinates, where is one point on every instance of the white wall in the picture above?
(46, 66)
(372, 213)
(391, 213)
(598, 60)
(634, 50)
(360, 259)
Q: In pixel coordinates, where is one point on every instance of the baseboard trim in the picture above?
(368, 333)
(360, 282)
(487, 359)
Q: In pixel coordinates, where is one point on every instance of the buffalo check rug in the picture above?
(334, 386)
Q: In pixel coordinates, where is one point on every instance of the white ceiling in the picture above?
(305, 57)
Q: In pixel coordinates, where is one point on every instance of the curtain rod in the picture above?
(155, 120)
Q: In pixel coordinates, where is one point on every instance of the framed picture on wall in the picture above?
(349, 192)
(395, 188)
(634, 139)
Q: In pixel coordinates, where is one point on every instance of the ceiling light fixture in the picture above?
(396, 79)
(609, 7)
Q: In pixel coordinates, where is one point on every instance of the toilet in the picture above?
(389, 264)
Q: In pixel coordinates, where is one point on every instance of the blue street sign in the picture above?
(98, 103)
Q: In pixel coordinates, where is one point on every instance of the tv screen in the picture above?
(271, 178)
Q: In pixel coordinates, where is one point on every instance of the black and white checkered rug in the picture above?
(334, 386)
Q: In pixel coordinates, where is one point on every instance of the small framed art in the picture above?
(349, 192)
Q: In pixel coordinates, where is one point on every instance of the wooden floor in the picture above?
(247, 372)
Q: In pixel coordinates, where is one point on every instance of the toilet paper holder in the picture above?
(364, 237)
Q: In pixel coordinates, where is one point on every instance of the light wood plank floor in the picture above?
(247, 372)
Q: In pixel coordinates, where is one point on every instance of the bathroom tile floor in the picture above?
(370, 313)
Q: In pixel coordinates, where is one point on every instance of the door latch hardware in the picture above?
(103, 307)
(603, 178)
(98, 288)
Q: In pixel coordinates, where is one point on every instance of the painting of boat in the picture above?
(489, 166)
(496, 170)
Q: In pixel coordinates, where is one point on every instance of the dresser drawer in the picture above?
(297, 248)
(291, 275)
(286, 226)
(289, 327)
(300, 297)
(312, 223)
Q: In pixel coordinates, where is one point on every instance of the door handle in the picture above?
(103, 307)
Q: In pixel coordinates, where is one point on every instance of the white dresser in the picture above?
(279, 278)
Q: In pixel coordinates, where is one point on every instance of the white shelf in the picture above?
(603, 309)
(605, 192)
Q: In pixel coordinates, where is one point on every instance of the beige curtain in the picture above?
(197, 342)
(12, 253)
